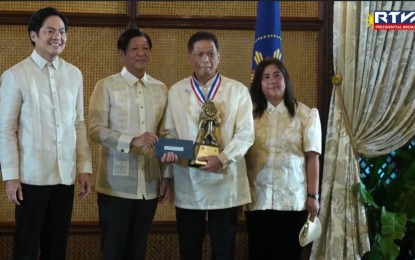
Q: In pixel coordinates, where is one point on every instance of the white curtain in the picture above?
(372, 112)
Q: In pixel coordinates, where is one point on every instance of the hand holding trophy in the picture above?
(206, 143)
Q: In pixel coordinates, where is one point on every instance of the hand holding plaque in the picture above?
(206, 143)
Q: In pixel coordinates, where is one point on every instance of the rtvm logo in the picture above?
(392, 20)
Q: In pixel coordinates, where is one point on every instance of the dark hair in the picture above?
(258, 97)
(199, 36)
(126, 37)
(38, 18)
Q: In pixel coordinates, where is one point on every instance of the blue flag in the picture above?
(267, 33)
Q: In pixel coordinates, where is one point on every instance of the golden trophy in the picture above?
(206, 143)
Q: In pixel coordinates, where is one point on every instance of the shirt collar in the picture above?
(41, 62)
(131, 79)
(209, 83)
(281, 108)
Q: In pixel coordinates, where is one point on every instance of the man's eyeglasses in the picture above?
(53, 32)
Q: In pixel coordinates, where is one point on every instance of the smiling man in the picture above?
(124, 115)
(219, 187)
(43, 143)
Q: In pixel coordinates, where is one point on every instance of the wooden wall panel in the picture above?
(96, 7)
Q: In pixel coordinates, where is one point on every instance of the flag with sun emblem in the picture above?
(267, 33)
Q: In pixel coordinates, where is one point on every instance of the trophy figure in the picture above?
(206, 143)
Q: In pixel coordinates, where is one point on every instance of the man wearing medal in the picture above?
(215, 112)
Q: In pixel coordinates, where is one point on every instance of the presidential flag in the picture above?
(267, 33)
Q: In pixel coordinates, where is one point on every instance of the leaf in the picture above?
(405, 203)
(390, 206)
(393, 225)
(375, 252)
(382, 249)
(365, 197)
(390, 249)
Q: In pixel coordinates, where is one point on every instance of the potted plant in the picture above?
(388, 193)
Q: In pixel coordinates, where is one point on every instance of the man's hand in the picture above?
(165, 189)
(85, 182)
(147, 139)
(169, 157)
(213, 163)
(14, 191)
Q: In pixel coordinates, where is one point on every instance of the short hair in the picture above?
(258, 97)
(38, 18)
(200, 36)
(127, 35)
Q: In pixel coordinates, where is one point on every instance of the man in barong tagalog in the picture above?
(43, 143)
(125, 113)
(221, 186)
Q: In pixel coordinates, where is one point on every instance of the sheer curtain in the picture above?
(372, 112)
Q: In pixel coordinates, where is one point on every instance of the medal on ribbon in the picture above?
(206, 143)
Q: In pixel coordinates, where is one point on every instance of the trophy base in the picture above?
(203, 150)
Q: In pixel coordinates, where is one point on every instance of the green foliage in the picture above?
(390, 207)
(393, 224)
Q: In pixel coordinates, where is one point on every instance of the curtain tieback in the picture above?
(337, 80)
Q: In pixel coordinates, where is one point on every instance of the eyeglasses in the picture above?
(52, 32)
